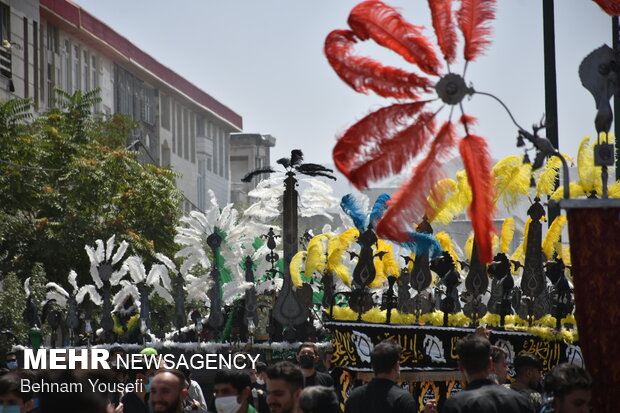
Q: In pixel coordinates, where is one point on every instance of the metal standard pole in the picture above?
(616, 47)
(551, 93)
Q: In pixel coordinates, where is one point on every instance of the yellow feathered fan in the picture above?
(337, 247)
(512, 180)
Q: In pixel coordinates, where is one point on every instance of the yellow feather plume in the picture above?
(575, 190)
(390, 264)
(495, 244)
(296, 267)
(447, 245)
(614, 190)
(381, 274)
(566, 255)
(337, 247)
(457, 202)
(437, 200)
(553, 235)
(512, 180)
(316, 259)
(508, 231)
(469, 246)
(526, 228)
(547, 178)
(589, 175)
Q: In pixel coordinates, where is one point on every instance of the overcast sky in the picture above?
(264, 59)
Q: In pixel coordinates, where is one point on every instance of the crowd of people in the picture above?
(288, 387)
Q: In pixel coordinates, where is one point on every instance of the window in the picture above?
(35, 62)
(192, 138)
(220, 145)
(165, 112)
(52, 38)
(50, 85)
(200, 126)
(185, 134)
(202, 183)
(85, 70)
(26, 60)
(148, 97)
(5, 18)
(173, 126)
(209, 160)
(76, 69)
(226, 155)
(94, 78)
(216, 158)
(179, 130)
(67, 69)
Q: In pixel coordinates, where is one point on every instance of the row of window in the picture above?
(133, 97)
(70, 67)
(186, 126)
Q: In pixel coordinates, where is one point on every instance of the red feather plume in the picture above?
(410, 202)
(361, 152)
(382, 23)
(611, 7)
(363, 74)
(445, 30)
(474, 21)
(477, 161)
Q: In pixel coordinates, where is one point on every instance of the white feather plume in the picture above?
(167, 262)
(100, 252)
(135, 266)
(232, 289)
(91, 291)
(73, 280)
(109, 248)
(120, 252)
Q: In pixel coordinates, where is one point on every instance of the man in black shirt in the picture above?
(307, 356)
(382, 395)
(482, 395)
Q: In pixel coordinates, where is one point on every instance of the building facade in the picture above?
(50, 44)
(249, 151)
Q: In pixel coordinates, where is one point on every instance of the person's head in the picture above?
(385, 358)
(528, 370)
(474, 352)
(168, 391)
(261, 372)
(284, 383)
(571, 387)
(11, 360)
(232, 390)
(11, 393)
(307, 355)
(327, 357)
(117, 351)
(499, 356)
(318, 399)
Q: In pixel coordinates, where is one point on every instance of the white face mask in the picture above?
(260, 381)
(227, 404)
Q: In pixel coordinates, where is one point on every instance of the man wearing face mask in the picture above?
(11, 361)
(307, 356)
(232, 392)
(12, 399)
(138, 400)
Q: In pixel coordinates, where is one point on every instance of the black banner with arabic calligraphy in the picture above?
(422, 391)
(430, 348)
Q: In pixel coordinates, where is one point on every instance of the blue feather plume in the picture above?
(352, 208)
(424, 244)
(378, 209)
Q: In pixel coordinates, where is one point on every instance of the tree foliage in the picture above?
(67, 180)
